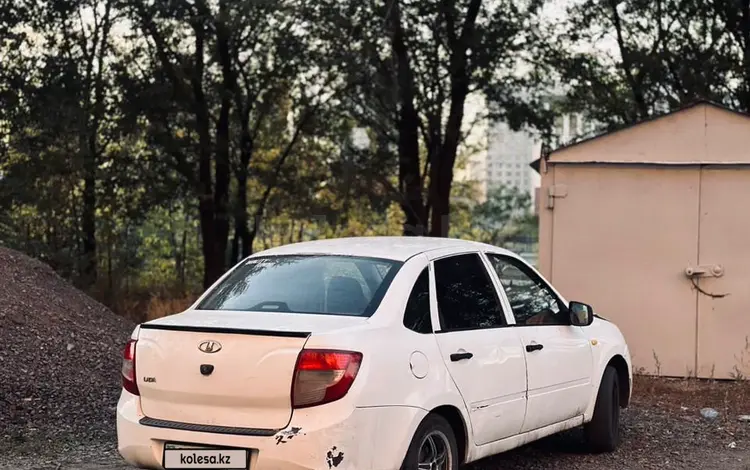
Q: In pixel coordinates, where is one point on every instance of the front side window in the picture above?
(465, 294)
(317, 284)
(531, 299)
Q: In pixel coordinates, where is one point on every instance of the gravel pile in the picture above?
(60, 357)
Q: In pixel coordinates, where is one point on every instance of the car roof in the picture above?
(393, 248)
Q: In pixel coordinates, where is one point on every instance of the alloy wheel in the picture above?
(435, 452)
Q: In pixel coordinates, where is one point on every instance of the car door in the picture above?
(484, 356)
(559, 360)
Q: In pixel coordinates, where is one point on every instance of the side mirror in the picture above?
(580, 314)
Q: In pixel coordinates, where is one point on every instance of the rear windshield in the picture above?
(318, 284)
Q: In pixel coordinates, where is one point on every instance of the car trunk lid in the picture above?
(228, 369)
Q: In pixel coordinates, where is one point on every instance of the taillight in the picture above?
(323, 376)
(128, 368)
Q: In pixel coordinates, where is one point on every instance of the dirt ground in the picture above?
(662, 429)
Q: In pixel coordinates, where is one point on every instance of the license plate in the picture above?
(186, 457)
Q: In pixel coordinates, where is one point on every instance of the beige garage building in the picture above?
(651, 225)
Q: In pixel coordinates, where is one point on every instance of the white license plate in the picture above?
(204, 457)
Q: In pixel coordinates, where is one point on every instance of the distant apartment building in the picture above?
(508, 155)
(510, 152)
(570, 127)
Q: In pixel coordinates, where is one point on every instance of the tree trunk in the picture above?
(251, 234)
(95, 110)
(213, 262)
(212, 266)
(291, 232)
(441, 169)
(178, 240)
(88, 220)
(223, 169)
(239, 248)
(409, 176)
(243, 246)
(110, 281)
(627, 66)
(183, 256)
(440, 199)
(234, 253)
(179, 266)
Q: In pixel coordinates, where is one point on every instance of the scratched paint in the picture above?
(333, 459)
(287, 435)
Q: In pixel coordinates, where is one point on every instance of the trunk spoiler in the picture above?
(218, 329)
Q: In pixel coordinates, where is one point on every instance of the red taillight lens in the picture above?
(323, 376)
(128, 368)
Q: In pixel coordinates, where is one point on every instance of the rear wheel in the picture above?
(603, 432)
(433, 446)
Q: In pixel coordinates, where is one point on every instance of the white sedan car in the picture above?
(369, 354)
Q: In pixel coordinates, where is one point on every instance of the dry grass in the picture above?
(730, 397)
(141, 308)
(159, 307)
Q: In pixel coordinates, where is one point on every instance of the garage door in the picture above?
(724, 300)
(622, 238)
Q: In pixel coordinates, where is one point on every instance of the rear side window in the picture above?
(417, 313)
(317, 284)
(465, 294)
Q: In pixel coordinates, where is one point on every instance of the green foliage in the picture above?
(623, 61)
(169, 250)
(504, 218)
(504, 207)
(166, 138)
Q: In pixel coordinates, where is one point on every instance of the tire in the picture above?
(603, 432)
(435, 428)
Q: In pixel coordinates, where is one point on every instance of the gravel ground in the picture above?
(60, 358)
(59, 383)
(662, 429)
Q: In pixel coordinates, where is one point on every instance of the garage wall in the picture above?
(621, 239)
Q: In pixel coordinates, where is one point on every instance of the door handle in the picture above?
(455, 357)
(534, 347)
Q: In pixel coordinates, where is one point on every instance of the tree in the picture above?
(248, 70)
(437, 56)
(505, 214)
(185, 76)
(65, 109)
(625, 60)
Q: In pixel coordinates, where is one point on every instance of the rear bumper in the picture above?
(330, 436)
